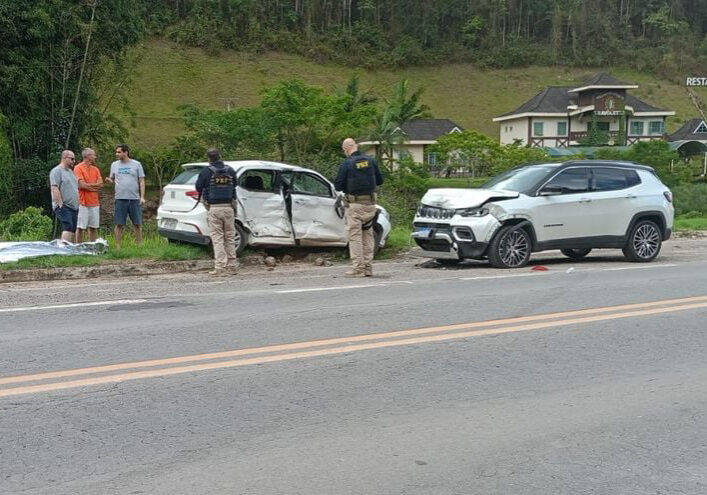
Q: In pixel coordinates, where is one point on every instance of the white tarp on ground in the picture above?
(14, 251)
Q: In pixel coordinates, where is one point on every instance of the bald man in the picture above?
(358, 178)
(65, 195)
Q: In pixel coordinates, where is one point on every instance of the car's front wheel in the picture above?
(241, 239)
(644, 242)
(576, 254)
(510, 248)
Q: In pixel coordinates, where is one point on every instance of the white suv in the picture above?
(278, 205)
(573, 206)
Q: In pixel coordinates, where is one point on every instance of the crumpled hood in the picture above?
(464, 198)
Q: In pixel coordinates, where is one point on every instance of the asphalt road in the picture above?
(589, 377)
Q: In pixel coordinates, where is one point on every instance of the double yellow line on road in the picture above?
(114, 373)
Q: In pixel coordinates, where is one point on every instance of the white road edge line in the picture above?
(320, 289)
(643, 267)
(73, 305)
(489, 277)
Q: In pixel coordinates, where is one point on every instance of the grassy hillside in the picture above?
(168, 75)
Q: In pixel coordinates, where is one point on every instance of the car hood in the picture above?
(464, 198)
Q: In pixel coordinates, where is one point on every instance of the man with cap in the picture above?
(358, 178)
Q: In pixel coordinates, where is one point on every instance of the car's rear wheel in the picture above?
(576, 254)
(241, 239)
(510, 248)
(644, 242)
(377, 237)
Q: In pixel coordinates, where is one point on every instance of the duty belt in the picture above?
(352, 198)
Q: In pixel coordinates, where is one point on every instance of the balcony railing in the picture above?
(579, 135)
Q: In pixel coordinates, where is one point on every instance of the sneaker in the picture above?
(218, 273)
(368, 273)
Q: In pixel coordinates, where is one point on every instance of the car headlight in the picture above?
(473, 212)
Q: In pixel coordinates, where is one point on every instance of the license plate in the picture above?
(423, 231)
(169, 223)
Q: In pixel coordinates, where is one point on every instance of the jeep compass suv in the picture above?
(574, 206)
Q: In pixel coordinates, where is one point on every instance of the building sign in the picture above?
(696, 81)
(609, 104)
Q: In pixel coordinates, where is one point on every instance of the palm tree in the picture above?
(405, 106)
(355, 96)
(388, 134)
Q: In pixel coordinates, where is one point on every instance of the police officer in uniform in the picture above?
(217, 184)
(358, 178)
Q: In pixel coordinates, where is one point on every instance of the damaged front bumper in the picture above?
(459, 239)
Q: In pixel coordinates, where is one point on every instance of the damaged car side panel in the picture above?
(313, 208)
(262, 208)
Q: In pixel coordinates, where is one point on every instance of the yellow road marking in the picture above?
(334, 341)
(349, 348)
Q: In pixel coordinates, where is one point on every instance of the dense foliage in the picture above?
(666, 34)
(480, 155)
(60, 67)
(29, 224)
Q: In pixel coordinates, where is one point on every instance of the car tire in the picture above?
(377, 237)
(241, 239)
(576, 254)
(644, 242)
(510, 248)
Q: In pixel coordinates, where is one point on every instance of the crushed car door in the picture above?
(315, 217)
(262, 209)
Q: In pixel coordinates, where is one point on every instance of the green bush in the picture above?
(690, 199)
(26, 225)
(402, 190)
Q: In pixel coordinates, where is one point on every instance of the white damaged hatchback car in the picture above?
(278, 205)
(574, 206)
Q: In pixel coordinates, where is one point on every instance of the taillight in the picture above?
(193, 195)
(668, 195)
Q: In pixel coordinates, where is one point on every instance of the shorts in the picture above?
(67, 217)
(125, 208)
(88, 217)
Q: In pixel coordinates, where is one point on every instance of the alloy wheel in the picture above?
(646, 241)
(515, 248)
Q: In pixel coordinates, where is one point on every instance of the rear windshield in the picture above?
(187, 177)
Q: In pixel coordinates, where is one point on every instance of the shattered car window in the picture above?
(520, 179)
(257, 180)
(308, 184)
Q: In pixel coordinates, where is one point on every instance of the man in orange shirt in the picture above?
(90, 182)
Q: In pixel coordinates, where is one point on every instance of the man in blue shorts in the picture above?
(65, 195)
(129, 179)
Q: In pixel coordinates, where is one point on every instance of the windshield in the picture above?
(520, 179)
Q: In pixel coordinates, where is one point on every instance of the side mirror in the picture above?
(550, 191)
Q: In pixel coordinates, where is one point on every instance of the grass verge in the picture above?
(683, 224)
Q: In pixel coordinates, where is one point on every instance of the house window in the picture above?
(538, 128)
(656, 127)
(701, 128)
(637, 128)
(562, 128)
(432, 159)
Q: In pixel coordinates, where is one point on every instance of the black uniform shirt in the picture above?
(358, 174)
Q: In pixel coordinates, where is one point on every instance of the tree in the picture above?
(6, 190)
(405, 105)
(48, 53)
(482, 155)
(387, 133)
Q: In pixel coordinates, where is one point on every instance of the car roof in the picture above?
(238, 165)
(593, 163)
